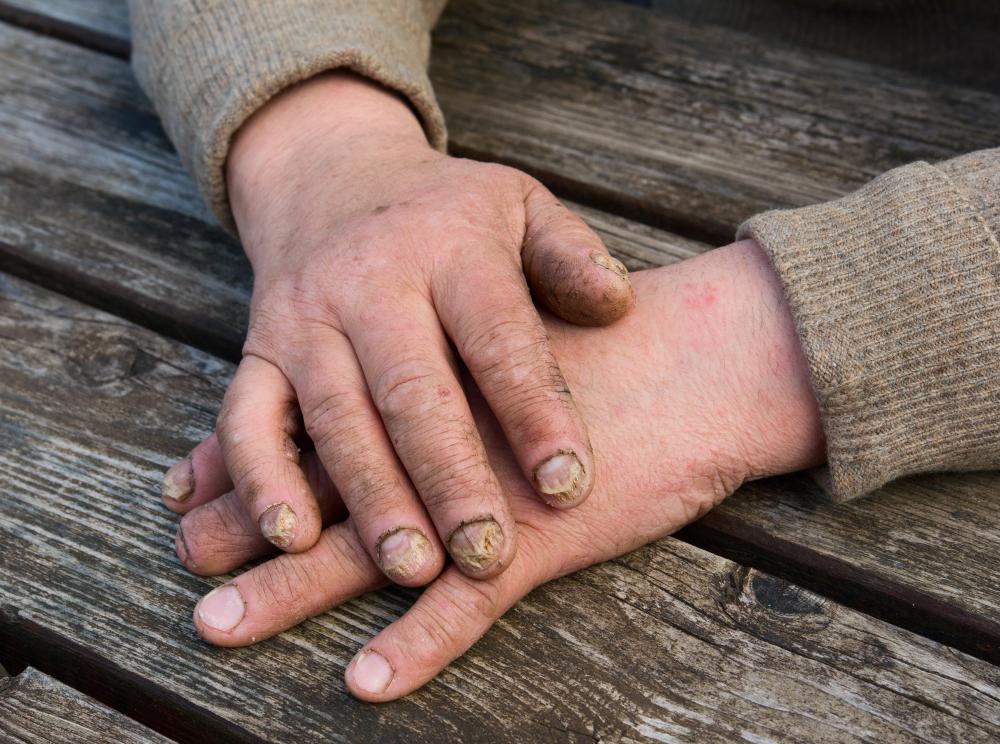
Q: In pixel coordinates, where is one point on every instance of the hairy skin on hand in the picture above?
(686, 399)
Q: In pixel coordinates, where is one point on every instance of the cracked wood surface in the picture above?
(667, 642)
(34, 708)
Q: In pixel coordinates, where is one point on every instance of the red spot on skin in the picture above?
(444, 392)
(700, 295)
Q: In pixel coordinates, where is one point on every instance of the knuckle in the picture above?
(329, 417)
(407, 391)
(507, 346)
(456, 472)
(216, 533)
(253, 473)
(286, 311)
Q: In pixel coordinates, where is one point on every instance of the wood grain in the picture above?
(684, 125)
(103, 211)
(97, 24)
(668, 643)
(34, 708)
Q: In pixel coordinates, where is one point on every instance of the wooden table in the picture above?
(776, 618)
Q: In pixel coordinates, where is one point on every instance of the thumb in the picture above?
(567, 265)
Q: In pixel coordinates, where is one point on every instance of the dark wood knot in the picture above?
(103, 357)
(767, 605)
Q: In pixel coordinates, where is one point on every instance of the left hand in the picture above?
(702, 388)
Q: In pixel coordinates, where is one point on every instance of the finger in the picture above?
(201, 476)
(568, 266)
(407, 364)
(451, 615)
(284, 591)
(220, 535)
(256, 431)
(353, 445)
(500, 335)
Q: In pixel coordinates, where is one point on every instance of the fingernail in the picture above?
(476, 545)
(403, 552)
(559, 476)
(277, 524)
(372, 672)
(178, 482)
(222, 608)
(609, 262)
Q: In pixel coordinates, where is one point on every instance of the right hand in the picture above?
(372, 255)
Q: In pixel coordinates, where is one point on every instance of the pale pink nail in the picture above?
(372, 672)
(222, 608)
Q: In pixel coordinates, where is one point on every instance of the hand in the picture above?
(701, 389)
(372, 253)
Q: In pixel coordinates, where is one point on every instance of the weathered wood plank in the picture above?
(667, 643)
(921, 552)
(682, 124)
(36, 708)
(99, 25)
(142, 248)
(954, 42)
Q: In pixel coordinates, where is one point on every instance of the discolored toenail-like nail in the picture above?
(610, 263)
(278, 523)
(559, 477)
(403, 552)
(476, 545)
(178, 482)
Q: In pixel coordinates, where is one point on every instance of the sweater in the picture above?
(895, 289)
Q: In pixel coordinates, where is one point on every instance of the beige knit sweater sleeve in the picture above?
(209, 64)
(895, 289)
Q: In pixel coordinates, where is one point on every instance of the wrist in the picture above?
(334, 126)
(782, 426)
(724, 318)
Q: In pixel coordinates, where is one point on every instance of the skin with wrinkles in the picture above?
(374, 257)
(686, 399)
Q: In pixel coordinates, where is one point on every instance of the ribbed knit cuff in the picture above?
(895, 291)
(208, 66)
